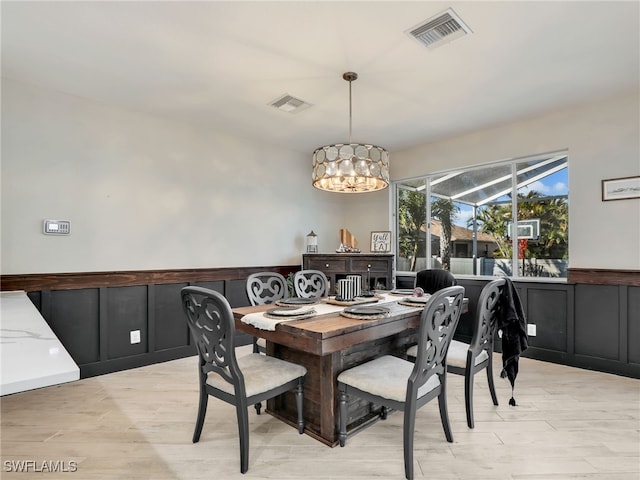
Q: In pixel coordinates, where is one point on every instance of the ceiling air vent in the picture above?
(439, 30)
(289, 104)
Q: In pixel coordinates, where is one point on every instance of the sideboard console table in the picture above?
(338, 265)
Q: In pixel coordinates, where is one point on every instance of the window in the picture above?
(463, 220)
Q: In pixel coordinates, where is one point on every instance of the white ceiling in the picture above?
(219, 64)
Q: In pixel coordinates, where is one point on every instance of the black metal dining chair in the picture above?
(264, 288)
(239, 381)
(434, 279)
(470, 358)
(310, 284)
(398, 384)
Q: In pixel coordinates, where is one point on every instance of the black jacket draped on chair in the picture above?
(513, 323)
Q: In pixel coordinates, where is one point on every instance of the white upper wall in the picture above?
(603, 140)
(144, 193)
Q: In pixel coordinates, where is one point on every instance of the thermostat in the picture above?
(56, 227)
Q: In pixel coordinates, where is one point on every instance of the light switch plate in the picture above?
(531, 329)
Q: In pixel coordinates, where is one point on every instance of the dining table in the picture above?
(326, 342)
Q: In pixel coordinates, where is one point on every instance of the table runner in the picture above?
(258, 319)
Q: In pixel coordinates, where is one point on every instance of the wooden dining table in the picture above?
(326, 345)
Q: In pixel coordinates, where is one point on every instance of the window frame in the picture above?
(513, 192)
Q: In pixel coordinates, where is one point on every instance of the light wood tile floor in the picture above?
(137, 424)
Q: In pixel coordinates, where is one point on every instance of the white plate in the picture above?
(368, 310)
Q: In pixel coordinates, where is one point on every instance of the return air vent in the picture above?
(438, 30)
(289, 104)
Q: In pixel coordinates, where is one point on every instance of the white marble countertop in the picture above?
(30, 353)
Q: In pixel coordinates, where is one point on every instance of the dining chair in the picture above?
(434, 279)
(264, 288)
(239, 381)
(310, 284)
(401, 385)
(470, 358)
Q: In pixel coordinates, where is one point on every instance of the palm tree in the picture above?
(412, 214)
(494, 220)
(412, 218)
(445, 210)
(554, 219)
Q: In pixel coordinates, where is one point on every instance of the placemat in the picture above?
(356, 301)
(363, 317)
(411, 304)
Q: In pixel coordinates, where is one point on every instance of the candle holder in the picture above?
(366, 292)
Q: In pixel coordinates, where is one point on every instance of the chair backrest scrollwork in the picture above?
(310, 284)
(486, 320)
(437, 326)
(212, 328)
(266, 287)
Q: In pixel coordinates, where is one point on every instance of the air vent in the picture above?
(289, 104)
(439, 30)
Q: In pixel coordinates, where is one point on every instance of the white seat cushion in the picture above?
(261, 373)
(261, 342)
(386, 377)
(457, 354)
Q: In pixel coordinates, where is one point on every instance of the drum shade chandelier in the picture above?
(350, 167)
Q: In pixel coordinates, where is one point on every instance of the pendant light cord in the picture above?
(350, 111)
(350, 77)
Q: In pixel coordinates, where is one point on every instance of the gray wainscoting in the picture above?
(592, 326)
(93, 314)
(583, 324)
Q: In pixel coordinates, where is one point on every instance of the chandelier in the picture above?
(350, 167)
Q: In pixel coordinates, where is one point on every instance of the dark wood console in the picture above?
(336, 266)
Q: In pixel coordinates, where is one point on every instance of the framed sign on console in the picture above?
(380, 242)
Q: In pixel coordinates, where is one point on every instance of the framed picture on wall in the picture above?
(620, 188)
(380, 242)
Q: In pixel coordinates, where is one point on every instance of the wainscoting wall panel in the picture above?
(591, 323)
(547, 309)
(236, 293)
(548, 306)
(127, 311)
(94, 313)
(167, 317)
(74, 316)
(633, 330)
(597, 321)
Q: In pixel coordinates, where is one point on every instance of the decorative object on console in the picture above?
(312, 242)
(348, 243)
(352, 167)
